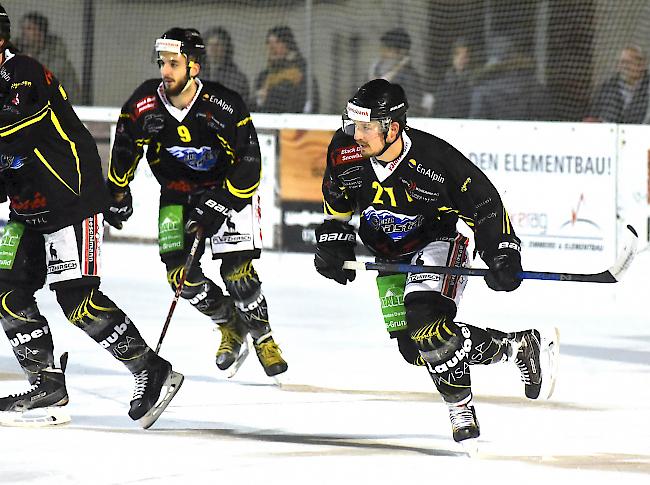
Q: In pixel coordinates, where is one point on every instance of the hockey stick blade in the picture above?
(611, 275)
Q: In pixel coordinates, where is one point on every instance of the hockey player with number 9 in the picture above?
(51, 172)
(204, 153)
(410, 189)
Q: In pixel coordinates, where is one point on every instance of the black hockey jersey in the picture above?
(49, 165)
(210, 143)
(403, 205)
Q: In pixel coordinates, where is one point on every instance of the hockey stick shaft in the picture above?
(181, 282)
(610, 275)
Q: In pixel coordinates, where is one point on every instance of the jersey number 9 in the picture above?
(184, 134)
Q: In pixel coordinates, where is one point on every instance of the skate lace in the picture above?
(141, 379)
(229, 340)
(28, 391)
(461, 417)
(523, 369)
(269, 353)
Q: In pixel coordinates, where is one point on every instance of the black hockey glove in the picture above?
(504, 265)
(335, 242)
(210, 213)
(120, 208)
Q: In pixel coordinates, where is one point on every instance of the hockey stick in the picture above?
(611, 275)
(188, 264)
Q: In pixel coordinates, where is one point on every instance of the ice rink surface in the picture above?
(350, 410)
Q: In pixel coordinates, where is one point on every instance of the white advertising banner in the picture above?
(634, 178)
(557, 180)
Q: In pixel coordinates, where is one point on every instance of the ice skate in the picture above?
(464, 424)
(536, 359)
(233, 348)
(38, 405)
(268, 353)
(155, 387)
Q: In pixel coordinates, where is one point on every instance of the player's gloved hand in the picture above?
(335, 242)
(120, 208)
(504, 264)
(210, 213)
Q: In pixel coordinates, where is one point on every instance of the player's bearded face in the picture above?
(173, 71)
(369, 137)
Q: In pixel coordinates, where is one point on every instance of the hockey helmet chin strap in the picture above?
(386, 144)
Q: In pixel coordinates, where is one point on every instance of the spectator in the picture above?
(219, 65)
(454, 96)
(394, 65)
(37, 42)
(282, 86)
(506, 88)
(623, 98)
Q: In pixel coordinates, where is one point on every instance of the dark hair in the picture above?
(285, 35)
(39, 20)
(224, 37)
(396, 39)
(5, 24)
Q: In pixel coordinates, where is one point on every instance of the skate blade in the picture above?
(35, 418)
(280, 379)
(549, 361)
(471, 447)
(243, 353)
(172, 385)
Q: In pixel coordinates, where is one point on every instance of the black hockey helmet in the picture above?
(5, 25)
(182, 41)
(378, 100)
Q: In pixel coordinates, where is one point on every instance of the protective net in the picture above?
(494, 59)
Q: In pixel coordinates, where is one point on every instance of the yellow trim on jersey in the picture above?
(242, 193)
(73, 147)
(123, 181)
(228, 148)
(467, 220)
(29, 120)
(244, 121)
(507, 229)
(54, 172)
(329, 211)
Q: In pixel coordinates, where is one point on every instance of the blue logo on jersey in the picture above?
(13, 162)
(200, 159)
(396, 226)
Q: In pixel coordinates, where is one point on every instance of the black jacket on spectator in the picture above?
(608, 103)
(509, 90)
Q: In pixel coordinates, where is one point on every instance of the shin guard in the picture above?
(28, 332)
(93, 312)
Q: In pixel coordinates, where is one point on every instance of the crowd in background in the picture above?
(504, 85)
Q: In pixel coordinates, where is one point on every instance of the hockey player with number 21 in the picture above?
(410, 188)
(204, 153)
(51, 172)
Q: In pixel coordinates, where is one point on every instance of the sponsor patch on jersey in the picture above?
(201, 159)
(145, 104)
(349, 154)
(395, 225)
(211, 98)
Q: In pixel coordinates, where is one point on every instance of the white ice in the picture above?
(352, 410)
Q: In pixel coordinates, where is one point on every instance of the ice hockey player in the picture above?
(409, 189)
(51, 173)
(204, 153)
